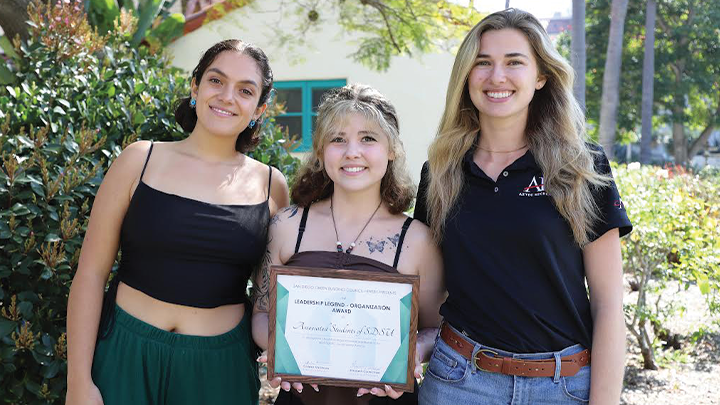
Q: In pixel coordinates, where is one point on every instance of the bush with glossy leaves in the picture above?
(79, 99)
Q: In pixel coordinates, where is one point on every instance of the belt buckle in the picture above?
(474, 360)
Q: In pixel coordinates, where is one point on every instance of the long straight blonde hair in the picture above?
(555, 131)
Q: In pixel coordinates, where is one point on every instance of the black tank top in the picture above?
(189, 252)
(340, 260)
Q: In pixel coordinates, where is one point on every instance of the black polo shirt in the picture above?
(514, 274)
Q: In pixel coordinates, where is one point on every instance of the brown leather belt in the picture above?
(489, 360)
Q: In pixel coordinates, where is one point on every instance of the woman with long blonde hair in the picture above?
(525, 211)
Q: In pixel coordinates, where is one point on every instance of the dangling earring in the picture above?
(192, 103)
(252, 124)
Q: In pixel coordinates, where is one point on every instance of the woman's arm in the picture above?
(281, 227)
(603, 269)
(279, 199)
(261, 283)
(279, 192)
(99, 251)
(432, 294)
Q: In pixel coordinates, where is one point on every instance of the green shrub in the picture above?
(79, 99)
(675, 241)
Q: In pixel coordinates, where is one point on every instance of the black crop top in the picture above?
(189, 252)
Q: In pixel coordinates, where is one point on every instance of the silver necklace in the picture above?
(339, 245)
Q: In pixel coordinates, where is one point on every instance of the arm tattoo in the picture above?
(274, 220)
(261, 290)
(293, 210)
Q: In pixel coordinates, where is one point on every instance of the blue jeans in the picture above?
(451, 379)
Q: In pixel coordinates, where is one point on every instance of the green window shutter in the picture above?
(301, 96)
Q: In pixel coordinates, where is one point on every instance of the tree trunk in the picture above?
(648, 78)
(646, 349)
(578, 50)
(701, 142)
(679, 140)
(611, 78)
(13, 18)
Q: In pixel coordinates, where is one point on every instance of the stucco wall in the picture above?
(416, 86)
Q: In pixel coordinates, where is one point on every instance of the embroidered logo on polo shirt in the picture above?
(535, 188)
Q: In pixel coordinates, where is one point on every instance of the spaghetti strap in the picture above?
(147, 159)
(301, 228)
(269, 182)
(405, 227)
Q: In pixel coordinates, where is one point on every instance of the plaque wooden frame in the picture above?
(371, 276)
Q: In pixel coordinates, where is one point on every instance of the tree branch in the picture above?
(699, 143)
(381, 9)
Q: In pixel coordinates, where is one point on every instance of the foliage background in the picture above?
(79, 99)
(675, 243)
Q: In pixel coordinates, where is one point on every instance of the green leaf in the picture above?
(51, 237)
(6, 326)
(51, 370)
(11, 90)
(170, 29)
(8, 47)
(147, 11)
(59, 110)
(139, 87)
(139, 118)
(25, 308)
(32, 386)
(703, 283)
(6, 75)
(46, 274)
(37, 189)
(103, 13)
(20, 209)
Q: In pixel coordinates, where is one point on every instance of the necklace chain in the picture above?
(339, 245)
(502, 151)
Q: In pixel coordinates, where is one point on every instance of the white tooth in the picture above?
(499, 95)
(222, 111)
(353, 169)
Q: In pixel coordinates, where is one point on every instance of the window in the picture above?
(301, 99)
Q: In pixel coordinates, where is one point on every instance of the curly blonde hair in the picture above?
(312, 182)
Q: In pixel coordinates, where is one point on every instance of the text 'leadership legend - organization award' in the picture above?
(342, 327)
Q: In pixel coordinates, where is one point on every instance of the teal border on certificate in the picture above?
(284, 360)
(396, 373)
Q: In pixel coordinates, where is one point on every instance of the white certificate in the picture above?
(343, 331)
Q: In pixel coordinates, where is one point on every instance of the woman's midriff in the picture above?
(179, 318)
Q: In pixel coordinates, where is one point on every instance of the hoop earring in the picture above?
(192, 103)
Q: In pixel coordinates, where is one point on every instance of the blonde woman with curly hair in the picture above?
(525, 212)
(349, 201)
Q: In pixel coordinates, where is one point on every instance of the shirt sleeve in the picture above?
(421, 200)
(612, 208)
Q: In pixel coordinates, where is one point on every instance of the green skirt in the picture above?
(140, 364)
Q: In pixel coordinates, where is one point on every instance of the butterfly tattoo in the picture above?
(375, 246)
